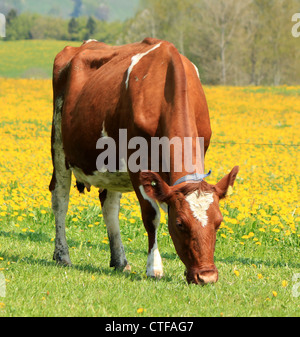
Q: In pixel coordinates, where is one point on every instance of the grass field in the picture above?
(30, 58)
(257, 249)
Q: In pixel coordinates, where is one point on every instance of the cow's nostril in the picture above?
(208, 276)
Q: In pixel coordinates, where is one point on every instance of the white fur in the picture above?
(197, 71)
(90, 40)
(154, 262)
(113, 181)
(199, 205)
(135, 59)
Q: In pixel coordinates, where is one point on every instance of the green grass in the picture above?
(36, 286)
(30, 58)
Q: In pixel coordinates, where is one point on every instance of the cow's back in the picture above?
(104, 89)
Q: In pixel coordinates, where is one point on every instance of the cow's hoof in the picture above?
(155, 273)
(123, 268)
(127, 268)
(62, 259)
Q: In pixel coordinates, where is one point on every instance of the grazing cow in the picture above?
(149, 90)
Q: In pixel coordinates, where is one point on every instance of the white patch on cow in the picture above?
(164, 207)
(90, 40)
(135, 59)
(199, 204)
(154, 262)
(103, 132)
(197, 71)
(113, 181)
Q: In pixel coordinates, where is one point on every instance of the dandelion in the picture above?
(236, 273)
(274, 293)
(140, 310)
(284, 283)
(260, 276)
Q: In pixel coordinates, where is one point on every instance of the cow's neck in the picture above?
(183, 130)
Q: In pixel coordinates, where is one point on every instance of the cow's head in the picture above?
(194, 218)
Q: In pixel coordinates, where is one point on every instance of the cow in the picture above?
(150, 90)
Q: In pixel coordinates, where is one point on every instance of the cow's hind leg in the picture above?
(110, 202)
(60, 188)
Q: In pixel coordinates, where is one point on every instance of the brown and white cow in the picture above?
(150, 90)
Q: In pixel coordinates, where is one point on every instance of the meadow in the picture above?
(257, 248)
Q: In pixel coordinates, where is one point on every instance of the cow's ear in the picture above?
(226, 183)
(154, 186)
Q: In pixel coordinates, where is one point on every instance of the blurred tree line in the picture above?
(237, 42)
(39, 27)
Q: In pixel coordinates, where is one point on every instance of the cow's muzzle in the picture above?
(202, 276)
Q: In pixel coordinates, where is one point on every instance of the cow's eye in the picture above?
(179, 225)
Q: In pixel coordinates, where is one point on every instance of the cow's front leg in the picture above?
(110, 202)
(151, 218)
